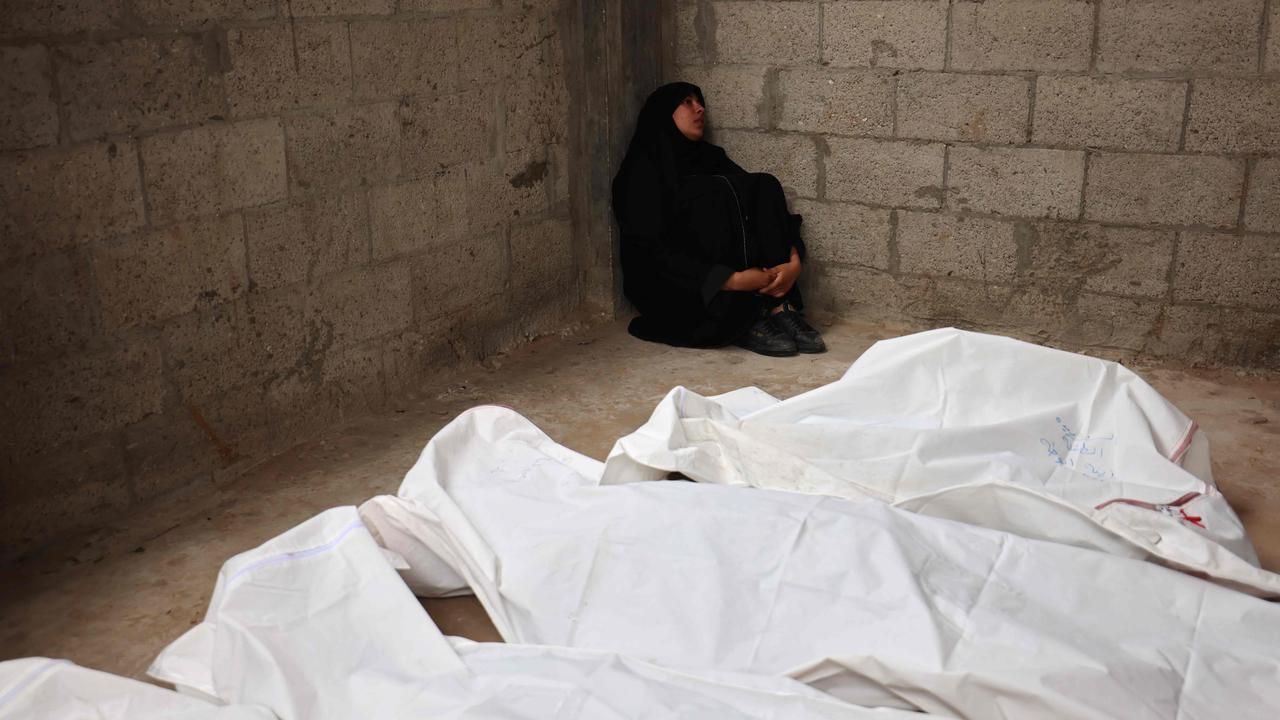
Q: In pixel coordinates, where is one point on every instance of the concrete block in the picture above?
(836, 102)
(969, 108)
(256, 340)
(41, 17)
(561, 170)
(793, 159)
(324, 73)
(542, 263)
(367, 302)
(28, 115)
(960, 247)
(1044, 35)
(535, 112)
(1032, 312)
(1109, 113)
(1179, 36)
(870, 294)
(134, 84)
(342, 148)
(50, 405)
(1262, 209)
(279, 67)
(1115, 325)
(242, 425)
(1164, 189)
(548, 317)
(1232, 270)
(214, 169)
(47, 304)
(493, 48)
(204, 352)
(53, 198)
(1197, 334)
(443, 6)
(54, 493)
(315, 8)
(505, 188)
(497, 331)
(162, 272)
(280, 335)
(1273, 42)
(778, 33)
(688, 44)
(441, 341)
(262, 75)
(1016, 181)
(169, 452)
(1116, 261)
(452, 195)
(351, 380)
(907, 34)
(302, 407)
(885, 172)
(434, 134)
(184, 13)
(734, 94)
(407, 358)
(308, 241)
(843, 234)
(944, 301)
(403, 218)
(459, 275)
(1234, 116)
(393, 58)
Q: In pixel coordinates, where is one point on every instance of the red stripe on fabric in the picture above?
(1185, 444)
(1151, 506)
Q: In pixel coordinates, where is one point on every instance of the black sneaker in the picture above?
(807, 340)
(768, 338)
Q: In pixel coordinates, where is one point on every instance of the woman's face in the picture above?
(690, 117)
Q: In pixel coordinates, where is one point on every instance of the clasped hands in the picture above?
(773, 281)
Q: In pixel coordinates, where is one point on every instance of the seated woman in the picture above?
(710, 254)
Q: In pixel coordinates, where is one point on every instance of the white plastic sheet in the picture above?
(44, 689)
(870, 603)
(978, 428)
(316, 625)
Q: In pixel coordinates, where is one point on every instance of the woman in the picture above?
(710, 254)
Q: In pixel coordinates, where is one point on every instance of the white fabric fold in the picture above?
(39, 688)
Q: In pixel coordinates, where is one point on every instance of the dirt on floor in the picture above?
(112, 599)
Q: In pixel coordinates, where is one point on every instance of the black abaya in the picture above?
(689, 218)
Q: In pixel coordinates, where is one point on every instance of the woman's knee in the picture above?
(766, 180)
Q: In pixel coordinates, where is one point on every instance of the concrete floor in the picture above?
(113, 599)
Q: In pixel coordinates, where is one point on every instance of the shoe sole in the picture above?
(817, 351)
(770, 353)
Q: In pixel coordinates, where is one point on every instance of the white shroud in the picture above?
(316, 625)
(873, 604)
(978, 428)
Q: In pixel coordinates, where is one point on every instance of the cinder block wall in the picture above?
(1100, 174)
(228, 224)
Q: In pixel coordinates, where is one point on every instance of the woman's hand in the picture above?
(749, 280)
(784, 277)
